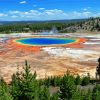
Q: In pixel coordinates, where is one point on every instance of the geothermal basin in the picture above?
(50, 55)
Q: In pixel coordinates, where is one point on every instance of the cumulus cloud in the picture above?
(84, 14)
(50, 14)
(14, 12)
(23, 2)
(41, 8)
(44, 14)
(3, 15)
(54, 12)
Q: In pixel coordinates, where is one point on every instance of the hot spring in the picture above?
(44, 41)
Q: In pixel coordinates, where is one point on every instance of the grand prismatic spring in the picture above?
(36, 43)
(44, 41)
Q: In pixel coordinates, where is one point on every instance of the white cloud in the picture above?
(51, 14)
(84, 14)
(23, 2)
(3, 15)
(54, 12)
(85, 9)
(14, 12)
(41, 8)
(14, 16)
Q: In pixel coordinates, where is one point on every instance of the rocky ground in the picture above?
(47, 61)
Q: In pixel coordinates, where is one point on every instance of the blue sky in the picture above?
(48, 9)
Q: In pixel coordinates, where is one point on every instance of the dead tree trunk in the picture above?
(98, 70)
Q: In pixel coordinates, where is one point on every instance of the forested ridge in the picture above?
(90, 24)
(25, 86)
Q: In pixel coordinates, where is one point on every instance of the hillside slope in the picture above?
(91, 24)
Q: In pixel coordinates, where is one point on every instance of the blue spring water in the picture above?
(44, 41)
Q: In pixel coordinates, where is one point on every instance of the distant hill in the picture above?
(46, 21)
(91, 24)
(63, 26)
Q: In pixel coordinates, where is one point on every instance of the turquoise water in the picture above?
(44, 41)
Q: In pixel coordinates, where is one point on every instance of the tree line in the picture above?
(33, 27)
(90, 24)
(25, 86)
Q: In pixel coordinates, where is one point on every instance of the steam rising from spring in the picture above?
(53, 31)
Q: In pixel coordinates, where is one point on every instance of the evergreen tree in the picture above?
(78, 80)
(4, 91)
(44, 94)
(67, 88)
(24, 85)
(77, 95)
(86, 80)
(54, 97)
(15, 86)
(96, 93)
